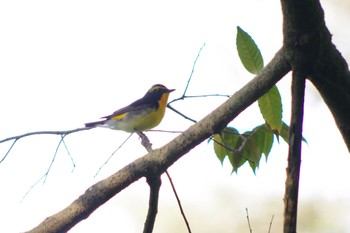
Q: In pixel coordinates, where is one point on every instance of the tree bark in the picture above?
(309, 45)
(294, 153)
(310, 53)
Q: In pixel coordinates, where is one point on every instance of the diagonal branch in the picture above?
(160, 159)
(178, 202)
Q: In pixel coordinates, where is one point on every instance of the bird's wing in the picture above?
(143, 103)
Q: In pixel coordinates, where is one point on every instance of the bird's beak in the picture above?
(171, 90)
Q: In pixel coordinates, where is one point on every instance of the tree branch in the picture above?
(62, 133)
(332, 80)
(154, 183)
(309, 43)
(294, 153)
(178, 202)
(157, 161)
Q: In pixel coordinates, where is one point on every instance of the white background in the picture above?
(64, 63)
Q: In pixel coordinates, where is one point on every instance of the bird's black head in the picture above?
(158, 90)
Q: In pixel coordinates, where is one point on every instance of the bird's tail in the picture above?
(94, 124)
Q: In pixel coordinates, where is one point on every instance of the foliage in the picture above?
(249, 146)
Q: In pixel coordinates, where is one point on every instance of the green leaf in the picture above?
(226, 144)
(251, 152)
(270, 105)
(259, 141)
(248, 52)
(240, 148)
(219, 150)
(224, 141)
(237, 159)
(264, 139)
(284, 133)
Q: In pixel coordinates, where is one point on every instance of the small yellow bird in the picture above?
(143, 114)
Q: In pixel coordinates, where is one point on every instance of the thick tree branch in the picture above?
(311, 53)
(159, 160)
(332, 80)
(309, 45)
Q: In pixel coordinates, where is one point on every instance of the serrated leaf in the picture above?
(236, 159)
(284, 132)
(227, 144)
(219, 150)
(251, 152)
(224, 141)
(270, 105)
(264, 139)
(248, 52)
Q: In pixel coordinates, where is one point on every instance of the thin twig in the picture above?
(250, 228)
(69, 154)
(53, 159)
(46, 173)
(208, 95)
(178, 201)
(31, 187)
(63, 132)
(164, 131)
(63, 135)
(16, 138)
(190, 78)
(98, 171)
(181, 114)
(194, 65)
(186, 88)
(271, 223)
(14, 142)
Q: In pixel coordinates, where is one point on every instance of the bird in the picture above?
(143, 114)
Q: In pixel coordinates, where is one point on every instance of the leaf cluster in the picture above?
(250, 145)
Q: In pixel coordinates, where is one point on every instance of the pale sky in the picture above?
(69, 62)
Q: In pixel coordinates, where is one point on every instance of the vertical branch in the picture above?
(294, 153)
(154, 183)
